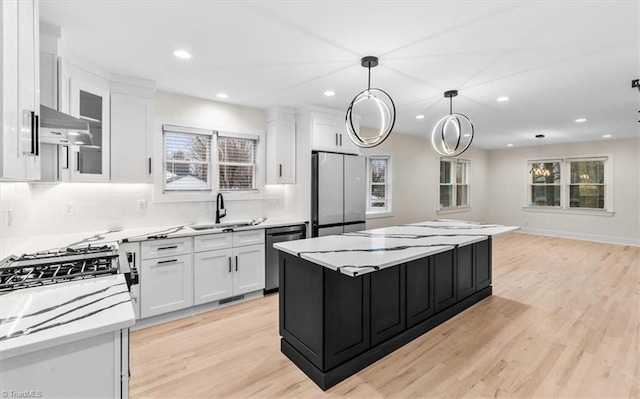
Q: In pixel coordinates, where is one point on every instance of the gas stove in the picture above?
(64, 265)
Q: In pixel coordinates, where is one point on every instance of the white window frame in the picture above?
(565, 183)
(255, 166)
(160, 196)
(373, 213)
(193, 131)
(454, 183)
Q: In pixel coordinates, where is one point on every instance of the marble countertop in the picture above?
(52, 242)
(36, 318)
(370, 250)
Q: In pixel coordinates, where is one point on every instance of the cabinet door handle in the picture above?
(336, 138)
(32, 116)
(162, 262)
(36, 128)
(280, 165)
(149, 165)
(78, 161)
(236, 262)
(171, 247)
(65, 148)
(340, 139)
(229, 264)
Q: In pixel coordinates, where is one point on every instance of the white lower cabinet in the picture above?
(212, 276)
(166, 284)
(235, 270)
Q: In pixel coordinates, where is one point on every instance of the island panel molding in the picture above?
(335, 321)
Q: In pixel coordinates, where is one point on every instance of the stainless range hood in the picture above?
(59, 128)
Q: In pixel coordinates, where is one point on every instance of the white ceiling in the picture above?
(557, 61)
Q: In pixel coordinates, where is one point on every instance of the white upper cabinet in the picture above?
(327, 129)
(90, 102)
(281, 146)
(20, 91)
(131, 130)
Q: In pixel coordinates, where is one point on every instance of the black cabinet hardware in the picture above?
(280, 169)
(149, 165)
(162, 262)
(78, 161)
(229, 264)
(236, 262)
(171, 247)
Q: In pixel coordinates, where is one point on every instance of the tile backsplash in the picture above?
(32, 209)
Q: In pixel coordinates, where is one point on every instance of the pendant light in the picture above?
(538, 168)
(384, 104)
(449, 130)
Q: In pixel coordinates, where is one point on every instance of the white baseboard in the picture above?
(582, 236)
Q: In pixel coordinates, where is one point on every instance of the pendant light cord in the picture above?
(369, 80)
(450, 105)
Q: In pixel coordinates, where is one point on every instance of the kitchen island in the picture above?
(347, 301)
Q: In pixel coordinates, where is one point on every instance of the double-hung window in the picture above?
(237, 163)
(379, 192)
(455, 190)
(569, 183)
(204, 161)
(545, 183)
(187, 160)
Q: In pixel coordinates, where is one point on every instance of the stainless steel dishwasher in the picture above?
(275, 235)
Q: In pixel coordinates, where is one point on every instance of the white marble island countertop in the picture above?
(36, 318)
(366, 251)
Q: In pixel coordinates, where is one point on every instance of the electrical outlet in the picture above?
(69, 208)
(141, 205)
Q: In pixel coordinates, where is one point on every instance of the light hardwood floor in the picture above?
(563, 321)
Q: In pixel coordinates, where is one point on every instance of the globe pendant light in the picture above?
(384, 104)
(448, 137)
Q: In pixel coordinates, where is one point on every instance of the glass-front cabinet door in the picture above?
(89, 162)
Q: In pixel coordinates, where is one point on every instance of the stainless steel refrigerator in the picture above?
(338, 193)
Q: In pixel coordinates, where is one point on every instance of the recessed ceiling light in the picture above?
(419, 116)
(222, 95)
(580, 120)
(466, 135)
(185, 55)
(606, 136)
(502, 99)
(329, 93)
(509, 145)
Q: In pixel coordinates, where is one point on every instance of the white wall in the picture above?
(37, 208)
(508, 180)
(416, 178)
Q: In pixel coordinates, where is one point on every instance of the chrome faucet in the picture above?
(220, 211)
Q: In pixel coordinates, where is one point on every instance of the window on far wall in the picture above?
(379, 198)
(586, 186)
(545, 180)
(454, 184)
(237, 163)
(572, 183)
(187, 160)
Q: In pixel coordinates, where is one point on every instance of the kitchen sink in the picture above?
(228, 225)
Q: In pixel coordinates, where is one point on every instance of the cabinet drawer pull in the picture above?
(149, 165)
(229, 264)
(280, 169)
(171, 247)
(336, 138)
(340, 139)
(162, 262)
(236, 262)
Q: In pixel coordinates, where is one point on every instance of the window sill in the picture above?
(453, 210)
(376, 215)
(590, 212)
